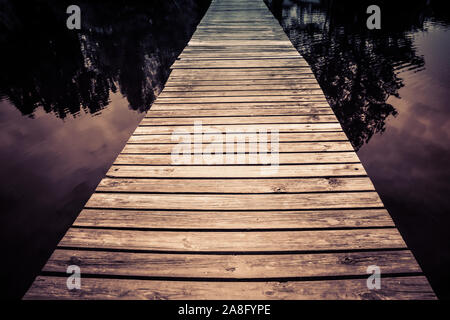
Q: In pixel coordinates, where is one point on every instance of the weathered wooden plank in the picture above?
(249, 98)
(282, 137)
(237, 171)
(248, 220)
(288, 201)
(175, 84)
(411, 288)
(232, 266)
(299, 86)
(241, 93)
(284, 158)
(238, 42)
(314, 118)
(242, 128)
(221, 64)
(223, 147)
(228, 54)
(240, 77)
(237, 37)
(265, 72)
(235, 185)
(240, 74)
(232, 241)
(220, 48)
(236, 106)
(247, 56)
(251, 112)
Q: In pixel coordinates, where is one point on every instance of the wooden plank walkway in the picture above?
(157, 230)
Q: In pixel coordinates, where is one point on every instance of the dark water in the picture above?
(390, 90)
(68, 102)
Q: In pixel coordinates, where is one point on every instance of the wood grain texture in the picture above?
(235, 185)
(216, 143)
(237, 171)
(287, 201)
(284, 158)
(242, 128)
(226, 220)
(240, 112)
(398, 288)
(314, 118)
(282, 137)
(234, 241)
(255, 266)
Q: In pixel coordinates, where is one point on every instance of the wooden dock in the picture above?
(309, 230)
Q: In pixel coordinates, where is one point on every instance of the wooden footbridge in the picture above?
(308, 230)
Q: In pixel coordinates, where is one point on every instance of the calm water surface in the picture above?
(69, 100)
(390, 89)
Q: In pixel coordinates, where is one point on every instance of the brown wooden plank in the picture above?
(230, 56)
(316, 146)
(282, 137)
(299, 86)
(251, 112)
(232, 266)
(273, 63)
(288, 201)
(237, 171)
(240, 74)
(244, 128)
(249, 98)
(411, 288)
(247, 87)
(232, 241)
(248, 220)
(235, 185)
(284, 158)
(302, 105)
(241, 93)
(238, 120)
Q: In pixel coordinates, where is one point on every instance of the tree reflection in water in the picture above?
(122, 45)
(358, 69)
